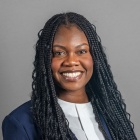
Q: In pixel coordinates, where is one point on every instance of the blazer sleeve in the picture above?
(12, 129)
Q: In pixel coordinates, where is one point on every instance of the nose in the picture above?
(71, 60)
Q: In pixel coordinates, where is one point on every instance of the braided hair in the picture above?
(102, 91)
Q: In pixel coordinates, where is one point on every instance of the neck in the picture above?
(73, 96)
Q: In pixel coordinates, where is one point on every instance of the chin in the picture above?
(73, 88)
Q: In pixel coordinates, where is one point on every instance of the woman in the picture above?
(74, 95)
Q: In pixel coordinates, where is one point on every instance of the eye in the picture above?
(82, 52)
(59, 53)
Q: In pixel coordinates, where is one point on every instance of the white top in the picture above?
(81, 120)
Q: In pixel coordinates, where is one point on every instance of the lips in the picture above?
(72, 75)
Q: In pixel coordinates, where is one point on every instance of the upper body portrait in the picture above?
(74, 95)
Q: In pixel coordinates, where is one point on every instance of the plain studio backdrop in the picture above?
(118, 25)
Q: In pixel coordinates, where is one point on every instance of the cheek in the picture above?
(54, 66)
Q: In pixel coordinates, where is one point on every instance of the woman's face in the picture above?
(72, 64)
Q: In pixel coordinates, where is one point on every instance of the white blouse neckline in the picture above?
(69, 108)
(81, 120)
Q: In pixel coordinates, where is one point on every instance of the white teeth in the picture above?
(74, 74)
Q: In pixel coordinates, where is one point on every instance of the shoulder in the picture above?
(22, 113)
(20, 123)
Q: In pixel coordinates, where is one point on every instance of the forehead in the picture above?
(68, 32)
(68, 27)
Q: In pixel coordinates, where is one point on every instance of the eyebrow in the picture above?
(63, 47)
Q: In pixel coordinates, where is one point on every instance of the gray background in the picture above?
(118, 25)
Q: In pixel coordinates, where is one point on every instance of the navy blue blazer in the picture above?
(19, 125)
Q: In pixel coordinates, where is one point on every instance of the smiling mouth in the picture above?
(72, 76)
